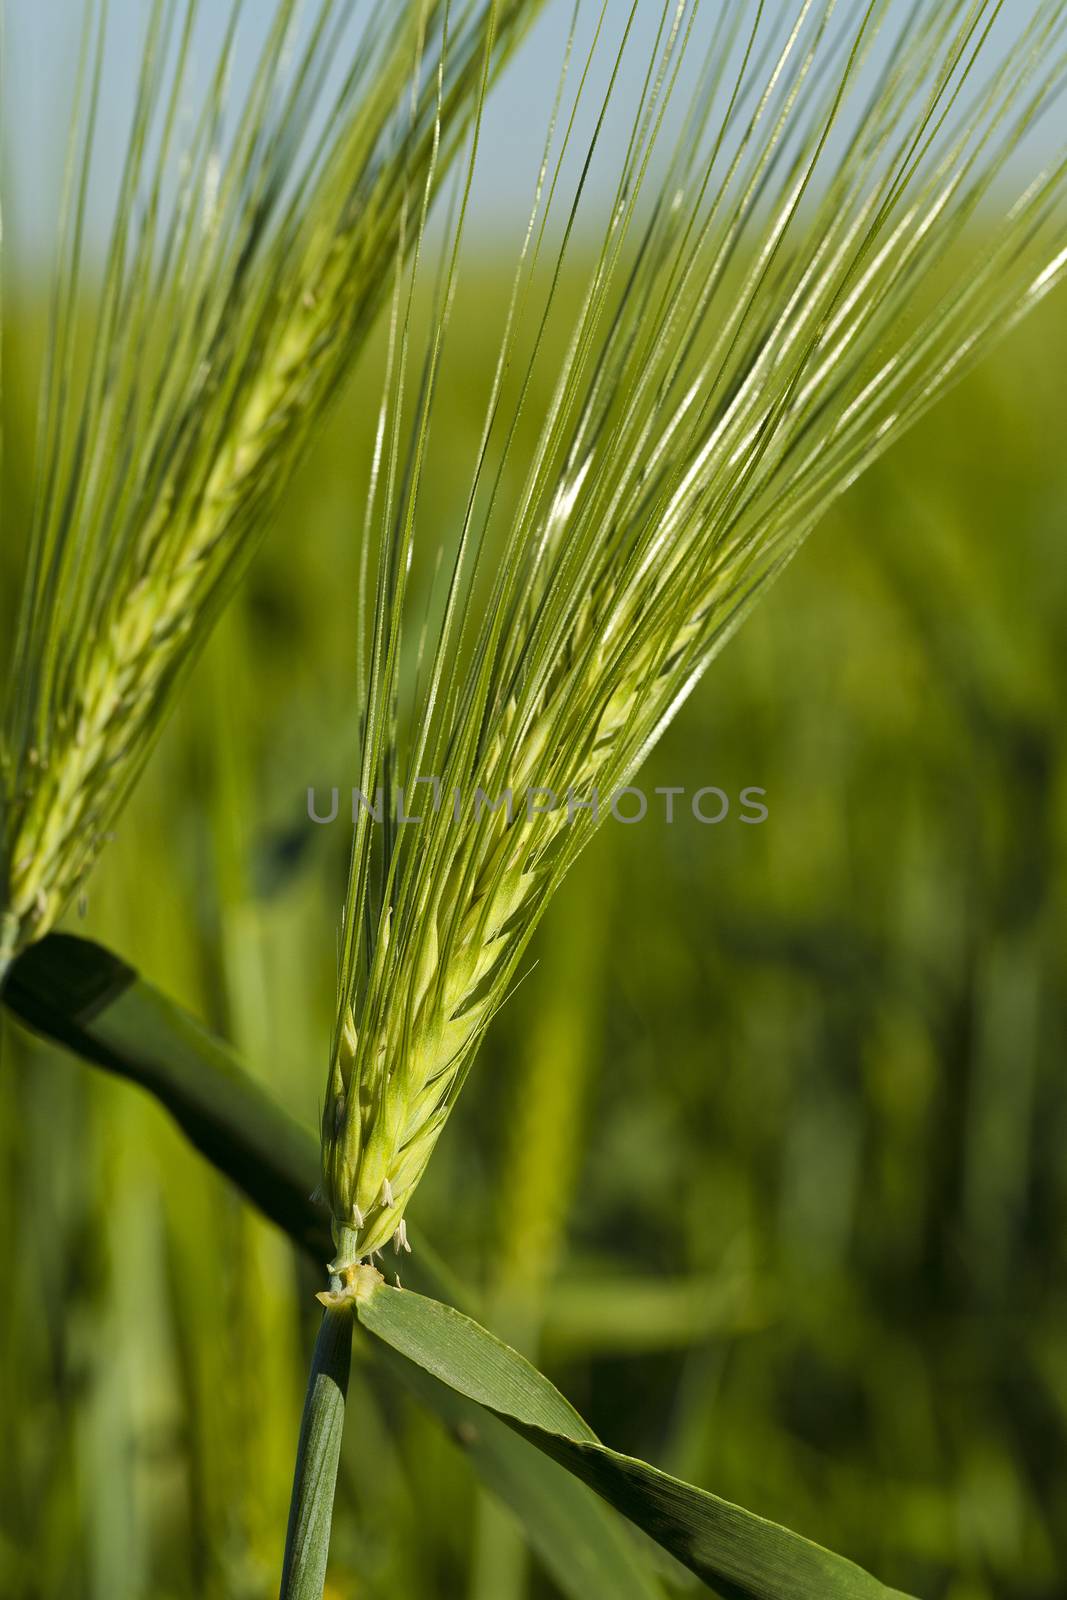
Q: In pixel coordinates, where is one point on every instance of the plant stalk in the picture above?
(8, 946)
(307, 1540)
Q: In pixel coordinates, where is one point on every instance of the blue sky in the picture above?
(42, 38)
(41, 49)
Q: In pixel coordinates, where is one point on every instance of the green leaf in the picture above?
(78, 994)
(583, 1547)
(743, 1556)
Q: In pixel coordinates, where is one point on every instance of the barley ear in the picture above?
(783, 283)
(234, 300)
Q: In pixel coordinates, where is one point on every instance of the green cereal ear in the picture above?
(766, 313)
(235, 298)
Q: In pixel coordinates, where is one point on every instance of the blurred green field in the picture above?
(808, 1244)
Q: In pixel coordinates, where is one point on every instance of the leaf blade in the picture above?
(744, 1556)
(78, 994)
(74, 992)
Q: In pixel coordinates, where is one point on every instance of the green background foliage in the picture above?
(763, 1161)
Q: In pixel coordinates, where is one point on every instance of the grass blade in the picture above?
(77, 994)
(578, 1540)
(741, 1555)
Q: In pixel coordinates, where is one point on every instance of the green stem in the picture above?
(307, 1542)
(9, 932)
